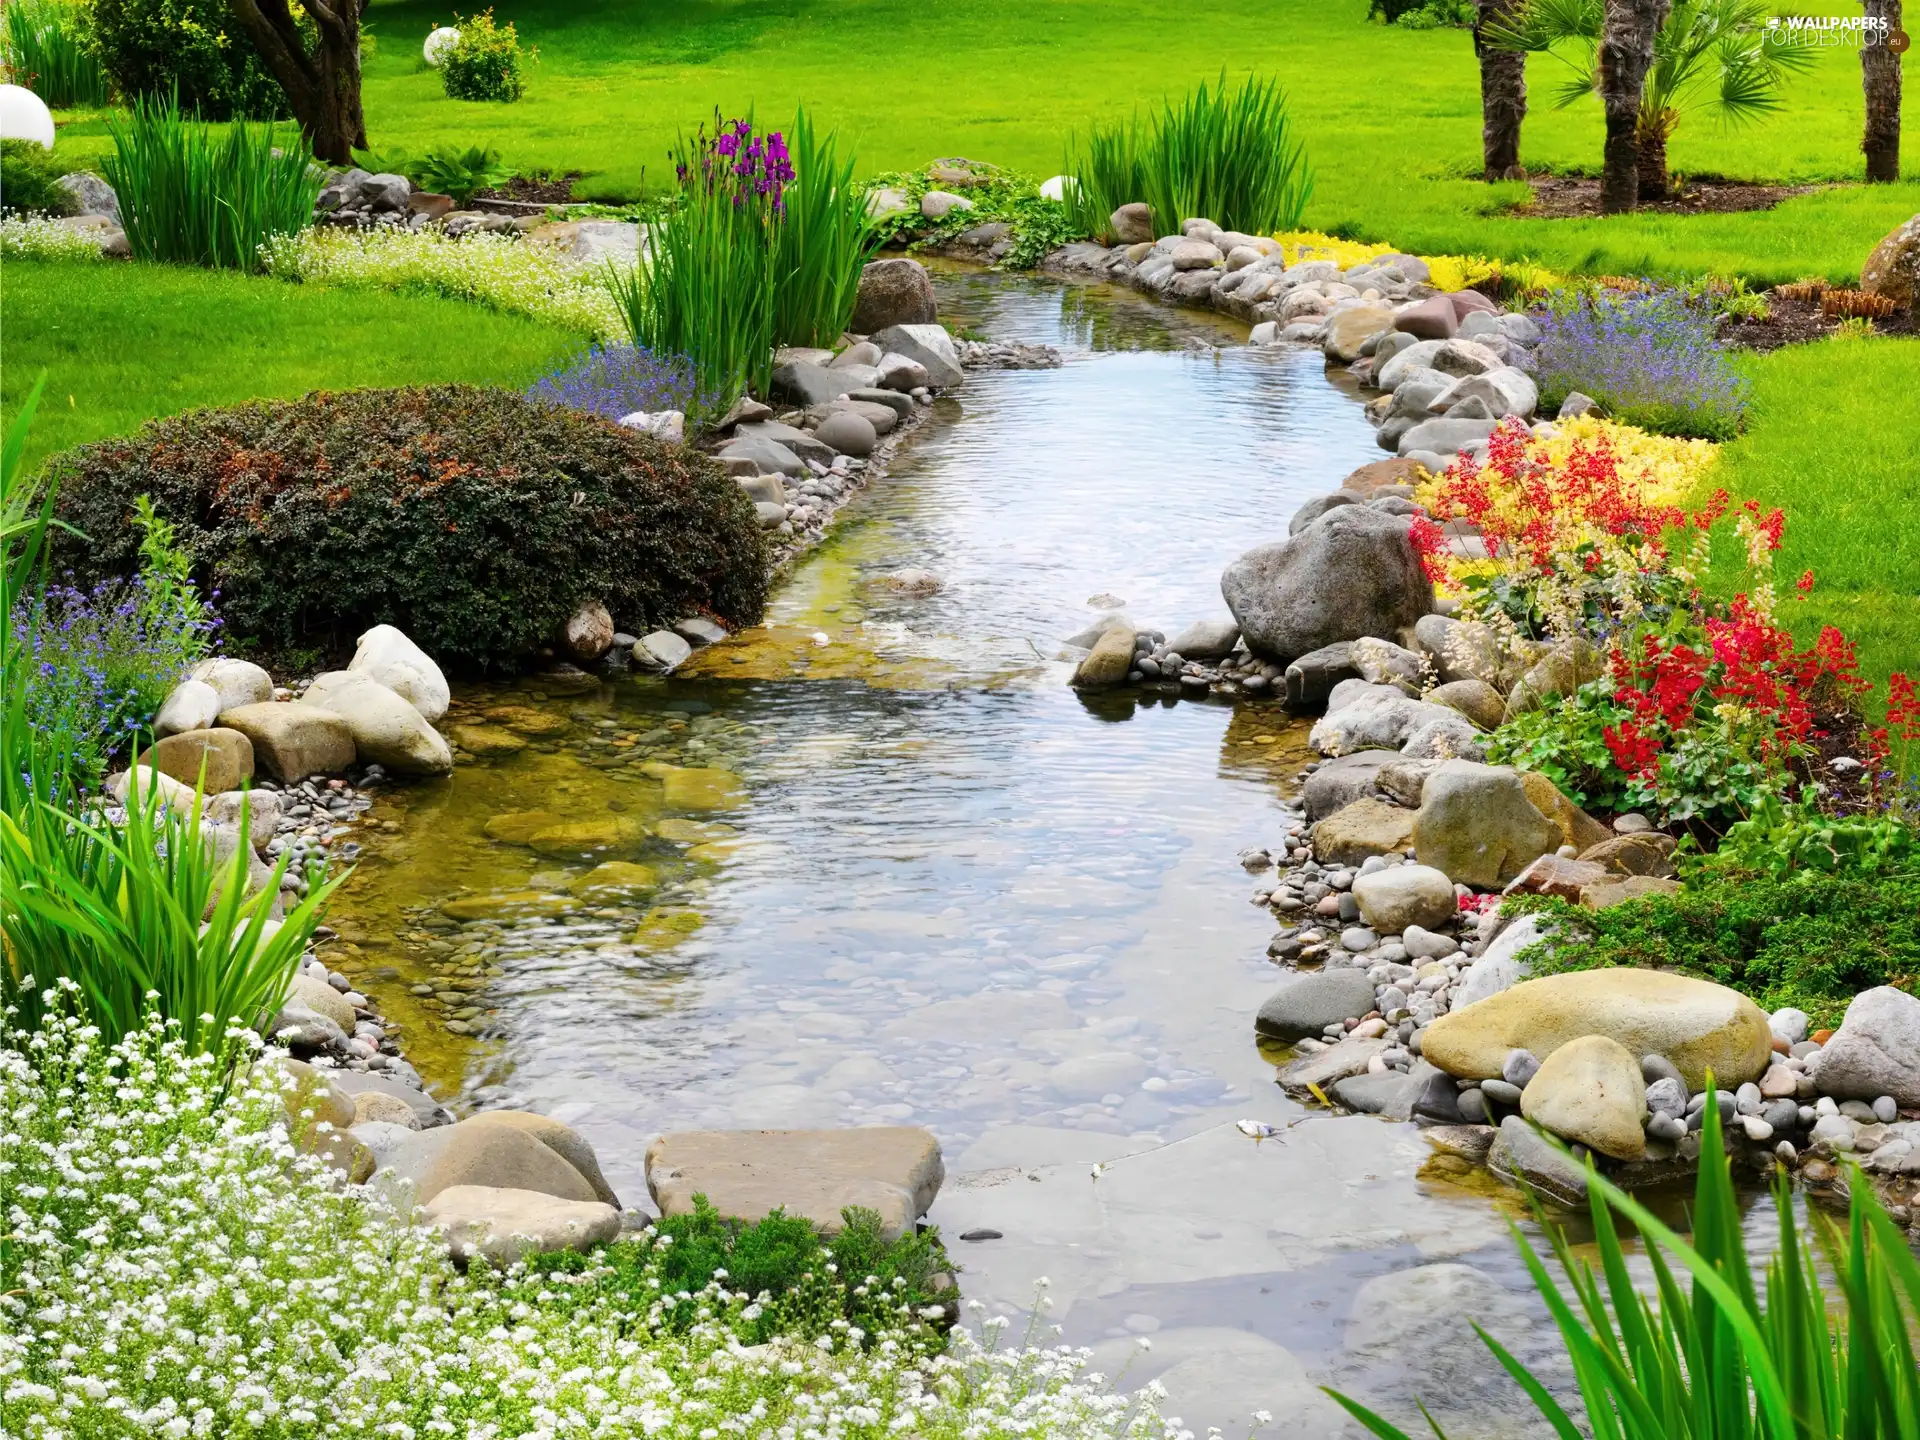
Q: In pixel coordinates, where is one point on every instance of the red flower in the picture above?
(1805, 583)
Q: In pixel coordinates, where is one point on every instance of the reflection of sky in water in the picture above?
(964, 899)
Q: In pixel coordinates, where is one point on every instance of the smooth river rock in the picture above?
(293, 739)
(1876, 1050)
(385, 654)
(1697, 1025)
(1392, 899)
(1476, 824)
(1590, 1090)
(504, 1225)
(387, 730)
(1307, 1005)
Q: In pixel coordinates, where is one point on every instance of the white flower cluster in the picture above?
(174, 1266)
(35, 237)
(494, 270)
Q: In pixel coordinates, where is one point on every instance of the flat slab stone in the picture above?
(895, 1170)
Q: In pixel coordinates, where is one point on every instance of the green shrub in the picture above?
(1039, 225)
(44, 44)
(197, 194)
(1780, 839)
(803, 1284)
(29, 178)
(192, 50)
(475, 520)
(459, 173)
(1231, 157)
(1810, 940)
(485, 62)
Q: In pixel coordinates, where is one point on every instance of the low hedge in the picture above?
(475, 520)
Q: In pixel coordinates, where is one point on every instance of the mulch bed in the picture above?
(1564, 197)
(1791, 322)
(534, 189)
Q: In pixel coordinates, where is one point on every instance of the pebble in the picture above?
(1357, 938)
(1501, 1092)
(1519, 1068)
(1886, 1110)
(1663, 1126)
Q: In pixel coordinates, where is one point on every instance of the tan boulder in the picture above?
(1362, 829)
(377, 1106)
(1696, 1024)
(698, 787)
(295, 739)
(1477, 826)
(615, 880)
(1893, 269)
(1475, 699)
(895, 1170)
(142, 786)
(1378, 474)
(1648, 853)
(1107, 664)
(504, 1225)
(1552, 875)
(563, 1140)
(1352, 326)
(387, 730)
(1603, 893)
(262, 810)
(1561, 671)
(227, 756)
(319, 996)
(1591, 1090)
(1576, 827)
(478, 1152)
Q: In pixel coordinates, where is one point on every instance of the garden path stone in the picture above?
(815, 1174)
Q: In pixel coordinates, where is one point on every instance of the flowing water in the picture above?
(875, 862)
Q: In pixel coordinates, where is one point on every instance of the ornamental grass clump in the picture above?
(1650, 359)
(197, 194)
(44, 46)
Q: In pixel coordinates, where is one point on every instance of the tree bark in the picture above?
(1626, 54)
(1503, 94)
(1880, 80)
(323, 88)
(1653, 160)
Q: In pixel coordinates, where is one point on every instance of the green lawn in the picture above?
(1832, 441)
(123, 343)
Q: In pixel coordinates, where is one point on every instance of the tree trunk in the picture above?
(1653, 160)
(323, 88)
(1503, 94)
(1626, 54)
(1880, 79)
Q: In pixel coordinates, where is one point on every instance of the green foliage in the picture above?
(1039, 225)
(192, 51)
(485, 63)
(1727, 1361)
(475, 520)
(749, 260)
(1438, 15)
(795, 1282)
(1780, 839)
(460, 173)
(197, 194)
(1231, 157)
(1564, 739)
(28, 176)
(1810, 940)
(43, 44)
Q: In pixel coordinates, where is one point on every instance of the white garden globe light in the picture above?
(24, 116)
(438, 44)
(1056, 188)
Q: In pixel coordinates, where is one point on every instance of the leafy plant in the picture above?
(475, 519)
(1232, 157)
(799, 1283)
(460, 173)
(486, 62)
(1727, 1361)
(29, 180)
(197, 195)
(1651, 359)
(616, 380)
(188, 51)
(1439, 15)
(43, 44)
(822, 237)
(1784, 838)
(1565, 740)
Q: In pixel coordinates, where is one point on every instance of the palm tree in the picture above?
(1880, 79)
(1653, 64)
(1503, 93)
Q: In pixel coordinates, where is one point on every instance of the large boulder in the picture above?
(588, 633)
(1383, 719)
(237, 682)
(1361, 830)
(927, 345)
(1429, 319)
(805, 383)
(190, 705)
(1307, 1005)
(563, 1140)
(813, 1174)
(482, 1153)
(1876, 1050)
(893, 292)
(1701, 1027)
(1312, 678)
(386, 729)
(1566, 667)
(1459, 649)
(1132, 224)
(1477, 826)
(1353, 573)
(1342, 780)
(1521, 1156)
(292, 740)
(1893, 269)
(1576, 827)
(1499, 966)
(504, 1225)
(211, 760)
(1392, 899)
(1444, 436)
(1591, 1090)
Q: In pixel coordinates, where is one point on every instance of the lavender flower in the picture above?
(617, 380)
(1649, 358)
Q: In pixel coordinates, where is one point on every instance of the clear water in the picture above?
(953, 893)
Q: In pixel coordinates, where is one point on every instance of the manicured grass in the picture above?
(1832, 442)
(121, 344)
(1390, 117)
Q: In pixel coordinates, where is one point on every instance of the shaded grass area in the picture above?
(1390, 117)
(121, 344)
(1832, 440)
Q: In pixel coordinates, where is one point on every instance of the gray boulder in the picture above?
(929, 346)
(1876, 1050)
(1408, 361)
(847, 432)
(1520, 1156)
(91, 194)
(805, 384)
(806, 446)
(1308, 1005)
(1382, 720)
(1444, 436)
(660, 651)
(1343, 780)
(1132, 224)
(1354, 573)
(893, 292)
(1206, 640)
(1317, 507)
(1505, 391)
(1311, 679)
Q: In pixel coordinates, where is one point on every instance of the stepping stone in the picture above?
(895, 1170)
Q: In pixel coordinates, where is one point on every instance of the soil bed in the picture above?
(534, 189)
(1563, 197)
(1794, 322)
